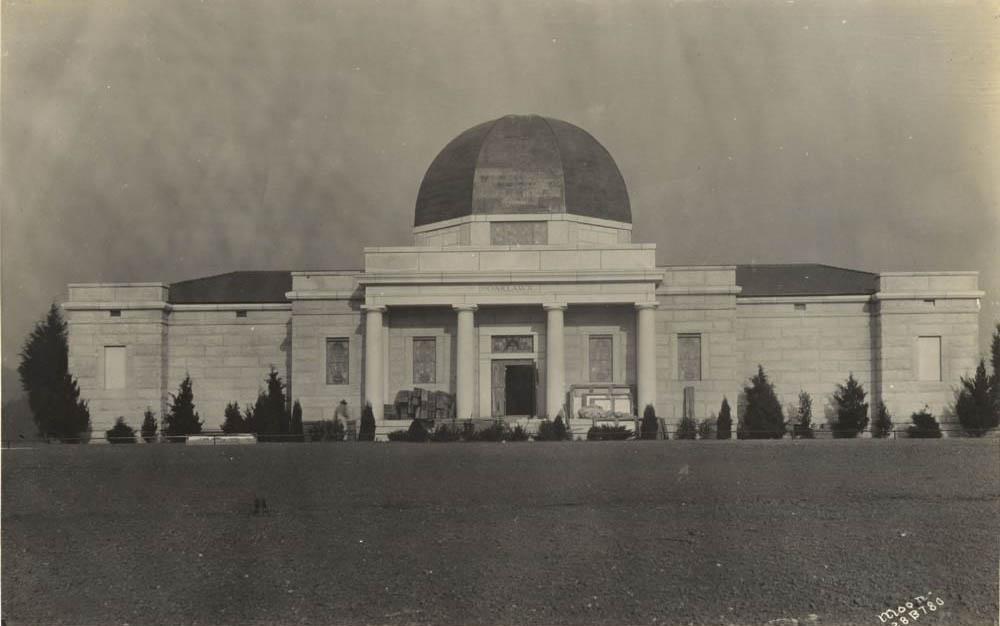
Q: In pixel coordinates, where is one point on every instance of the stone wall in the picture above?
(806, 344)
(227, 357)
(142, 332)
(938, 304)
(406, 324)
(696, 300)
(581, 322)
(313, 322)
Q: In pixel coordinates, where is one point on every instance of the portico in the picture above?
(517, 317)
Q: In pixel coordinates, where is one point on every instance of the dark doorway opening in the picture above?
(519, 389)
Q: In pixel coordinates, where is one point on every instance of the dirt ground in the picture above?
(749, 532)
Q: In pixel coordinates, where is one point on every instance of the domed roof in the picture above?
(522, 164)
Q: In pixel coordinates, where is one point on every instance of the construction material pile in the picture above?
(424, 404)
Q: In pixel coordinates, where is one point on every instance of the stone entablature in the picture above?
(560, 229)
(539, 258)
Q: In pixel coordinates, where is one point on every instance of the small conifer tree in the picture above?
(181, 419)
(559, 429)
(249, 419)
(924, 426)
(974, 404)
(764, 418)
(417, 432)
(296, 423)
(852, 410)
(120, 432)
(724, 422)
(687, 428)
(706, 428)
(233, 420)
(149, 425)
(53, 394)
(995, 377)
(270, 412)
(803, 429)
(366, 430)
(650, 423)
(882, 423)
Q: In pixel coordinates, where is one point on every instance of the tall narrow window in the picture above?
(689, 357)
(114, 367)
(424, 360)
(929, 358)
(600, 354)
(338, 351)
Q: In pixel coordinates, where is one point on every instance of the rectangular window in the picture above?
(114, 367)
(518, 233)
(689, 357)
(115, 312)
(929, 358)
(601, 360)
(800, 306)
(241, 313)
(338, 352)
(513, 343)
(424, 360)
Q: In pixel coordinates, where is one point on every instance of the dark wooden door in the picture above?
(519, 385)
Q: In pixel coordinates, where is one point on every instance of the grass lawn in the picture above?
(826, 532)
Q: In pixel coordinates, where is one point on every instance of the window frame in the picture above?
(346, 341)
(413, 359)
(701, 360)
(119, 349)
(611, 356)
(920, 360)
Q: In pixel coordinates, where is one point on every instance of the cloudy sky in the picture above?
(149, 140)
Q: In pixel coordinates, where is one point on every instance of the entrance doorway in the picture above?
(515, 384)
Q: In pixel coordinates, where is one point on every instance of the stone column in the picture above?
(374, 368)
(645, 348)
(555, 363)
(464, 360)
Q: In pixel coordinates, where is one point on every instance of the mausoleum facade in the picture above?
(523, 295)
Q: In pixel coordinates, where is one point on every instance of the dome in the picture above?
(521, 164)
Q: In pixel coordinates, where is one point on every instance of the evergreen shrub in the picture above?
(149, 425)
(608, 433)
(120, 432)
(650, 424)
(924, 426)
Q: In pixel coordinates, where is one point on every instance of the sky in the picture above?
(159, 141)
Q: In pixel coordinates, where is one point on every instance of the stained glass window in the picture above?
(338, 361)
(513, 343)
(600, 359)
(424, 360)
(689, 357)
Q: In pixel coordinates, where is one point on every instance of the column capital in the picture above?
(646, 305)
(374, 308)
(555, 306)
(465, 307)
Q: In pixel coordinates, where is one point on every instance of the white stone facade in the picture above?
(806, 343)
(526, 297)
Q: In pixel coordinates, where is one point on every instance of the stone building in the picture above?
(524, 294)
